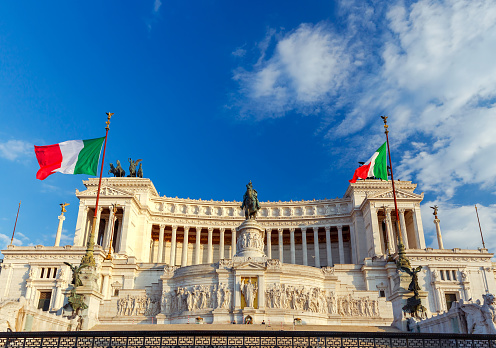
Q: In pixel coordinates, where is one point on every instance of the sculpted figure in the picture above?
(132, 167)
(140, 171)
(480, 319)
(76, 270)
(249, 292)
(117, 171)
(250, 202)
(8, 313)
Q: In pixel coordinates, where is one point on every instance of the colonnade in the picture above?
(322, 237)
(104, 227)
(408, 225)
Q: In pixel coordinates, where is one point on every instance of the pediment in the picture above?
(400, 194)
(251, 265)
(104, 191)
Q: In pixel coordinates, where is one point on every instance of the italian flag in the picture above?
(69, 157)
(375, 166)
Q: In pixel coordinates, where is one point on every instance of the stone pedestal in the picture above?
(92, 297)
(250, 240)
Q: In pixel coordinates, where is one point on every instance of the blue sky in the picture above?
(288, 94)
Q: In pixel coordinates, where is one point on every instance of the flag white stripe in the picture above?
(70, 152)
(372, 164)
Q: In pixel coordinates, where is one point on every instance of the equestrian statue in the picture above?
(250, 202)
(117, 171)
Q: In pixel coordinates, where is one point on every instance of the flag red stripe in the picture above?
(361, 172)
(49, 158)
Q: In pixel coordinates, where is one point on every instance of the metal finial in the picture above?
(109, 115)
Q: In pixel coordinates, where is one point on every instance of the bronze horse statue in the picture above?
(250, 202)
(117, 171)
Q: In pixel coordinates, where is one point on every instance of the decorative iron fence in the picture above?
(241, 339)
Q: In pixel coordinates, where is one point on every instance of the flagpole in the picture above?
(402, 260)
(480, 228)
(88, 258)
(12, 239)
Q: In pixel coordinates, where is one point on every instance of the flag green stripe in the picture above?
(380, 165)
(87, 162)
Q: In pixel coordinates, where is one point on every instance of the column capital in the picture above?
(61, 217)
(436, 221)
(174, 227)
(339, 227)
(100, 209)
(222, 229)
(280, 230)
(327, 228)
(210, 229)
(162, 227)
(233, 229)
(315, 228)
(292, 229)
(198, 228)
(304, 229)
(401, 210)
(268, 229)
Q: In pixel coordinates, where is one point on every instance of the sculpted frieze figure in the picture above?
(138, 305)
(249, 291)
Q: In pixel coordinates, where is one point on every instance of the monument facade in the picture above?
(321, 261)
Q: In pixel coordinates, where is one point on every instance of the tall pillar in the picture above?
(97, 227)
(197, 245)
(124, 228)
(438, 231)
(316, 246)
(403, 227)
(105, 227)
(281, 245)
(173, 246)
(160, 258)
(210, 253)
(233, 242)
(108, 230)
(341, 246)
(293, 249)
(328, 246)
(184, 256)
(221, 243)
(81, 225)
(59, 229)
(393, 243)
(269, 243)
(304, 245)
(354, 259)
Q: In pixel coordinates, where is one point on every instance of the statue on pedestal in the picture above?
(249, 292)
(250, 202)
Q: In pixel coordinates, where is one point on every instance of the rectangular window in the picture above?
(54, 273)
(450, 298)
(442, 274)
(448, 275)
(44, 301)
(42, 272)
(48, 272)
(454, 275)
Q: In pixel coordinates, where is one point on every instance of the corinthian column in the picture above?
(210, 254)
(328, 246)
(304, 245)
(269, 243)
(438, 231)
(184, 256)
(403, 228)
(173, 246)
(341, 246)
(59, 229)
(293, 249)
(161, 244)
(233, 242)
(221, 243)
(197, 245)
(316, 246)
(281, 246)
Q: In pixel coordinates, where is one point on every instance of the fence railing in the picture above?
(241, 339)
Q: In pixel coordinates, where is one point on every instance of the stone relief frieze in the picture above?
(317, 300)
(196, 297)
(138, 305)
(225, 263)
(274, 264)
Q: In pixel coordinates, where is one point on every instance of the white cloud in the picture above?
(5, 241)
(459, 226)
(13, 149)
(156, 5)
(239, 52)
(307, 66)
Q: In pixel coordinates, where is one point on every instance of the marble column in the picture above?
(105, 227)
(233, 242)
(403, 228)
(124, 227)
(438, 231)
(108, 230)
(173, 246)
(184, 256)
(328, 246)
(221, 243)
(210, 254)
(341, 246)
(393, 243)
(160, 257)
(59, 229)
(97, 226)
(293, 249)
(316, 246)
(353, 244)
(197, 245)
(304, 245)
(269, 243)
(281, 245)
